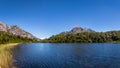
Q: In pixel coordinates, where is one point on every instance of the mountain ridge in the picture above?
(77, 29)
(16, 30)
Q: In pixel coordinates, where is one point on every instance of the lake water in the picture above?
(67, 55)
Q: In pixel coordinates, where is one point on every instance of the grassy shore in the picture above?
(6, 58)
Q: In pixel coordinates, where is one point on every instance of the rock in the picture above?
(16, 30)
(3, 27)
(76, 30)
(80, 29)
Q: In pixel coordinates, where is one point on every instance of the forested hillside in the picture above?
(6, 37)
(85, 37)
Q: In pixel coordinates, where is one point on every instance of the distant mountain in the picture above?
(76, 30)
(16, 30)
(81, 35)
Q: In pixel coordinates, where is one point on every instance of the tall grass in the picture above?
(6, 58)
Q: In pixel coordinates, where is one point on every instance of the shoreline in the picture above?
(8, 45)
(6, 58)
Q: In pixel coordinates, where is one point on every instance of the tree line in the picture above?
(85, 37)
(6, 37)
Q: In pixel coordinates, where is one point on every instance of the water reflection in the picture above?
(61, 55)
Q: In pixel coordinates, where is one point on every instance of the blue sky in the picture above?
(44, 18)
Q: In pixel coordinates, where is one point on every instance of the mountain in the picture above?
(16, 30)
(80, 29)
(4, 27)
(80, 35)
(76, 30)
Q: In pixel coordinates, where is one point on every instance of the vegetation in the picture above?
(10, 38)
(6, 58)
(85, 37)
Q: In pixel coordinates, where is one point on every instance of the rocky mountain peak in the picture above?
(3, 27)
(15, 26)
(78, 29)
(16, 30)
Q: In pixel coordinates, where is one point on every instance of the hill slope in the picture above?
(16, 30)
(6, 37)
(78, 35)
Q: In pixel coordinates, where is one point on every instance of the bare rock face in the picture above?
(3, 27)
(76, 30)
(80, 29)
(16, 30)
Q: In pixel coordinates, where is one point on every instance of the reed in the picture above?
(6, 58)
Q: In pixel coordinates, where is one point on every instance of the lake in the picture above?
(67, 55)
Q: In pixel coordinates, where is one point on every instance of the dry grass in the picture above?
(6, 59)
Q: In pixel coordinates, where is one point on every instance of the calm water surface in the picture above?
(62, 55)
